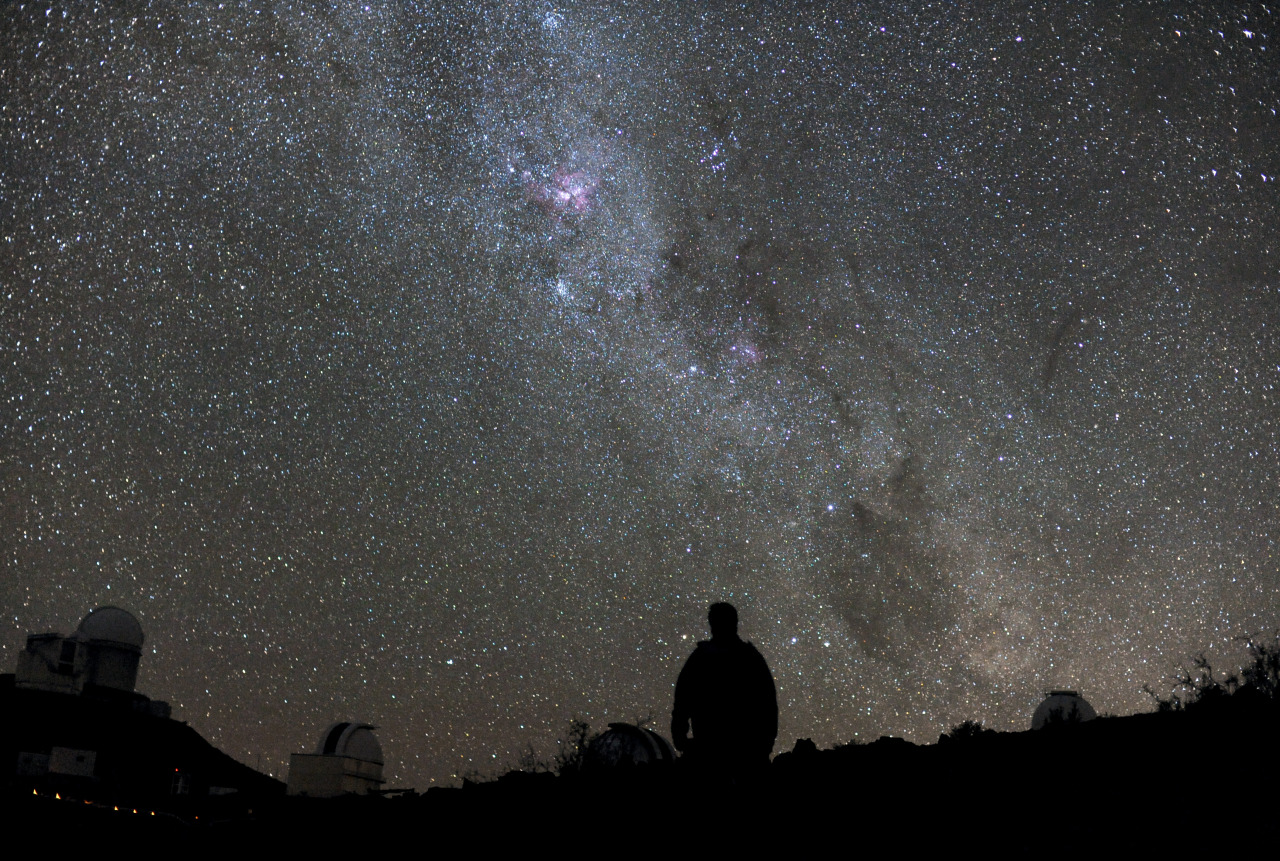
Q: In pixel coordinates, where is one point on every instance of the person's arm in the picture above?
(768, 700)
(686, 691)
(680, 710)
(773, 706)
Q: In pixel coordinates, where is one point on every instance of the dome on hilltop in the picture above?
(626, 744)
(355, 740)
(348, 761)
(112, 625)
(1062, 707)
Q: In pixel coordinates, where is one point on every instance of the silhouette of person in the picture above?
(726, 693)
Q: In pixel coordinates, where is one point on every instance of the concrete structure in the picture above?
(347, 761)
(104, 652)
(100, 659)
(1060, 707)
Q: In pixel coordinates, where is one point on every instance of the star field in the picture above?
(437, 367)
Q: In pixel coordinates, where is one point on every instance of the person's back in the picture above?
(726, 693)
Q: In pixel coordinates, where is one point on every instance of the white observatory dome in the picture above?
(625, 744)
(1061, 707)
(355, 740)
(114, 626)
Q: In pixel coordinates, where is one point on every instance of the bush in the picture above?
(568, 760)
(1262, 674)
(963, 731)
(573, 753)
(1200, 684)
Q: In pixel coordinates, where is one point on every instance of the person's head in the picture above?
(723, 620)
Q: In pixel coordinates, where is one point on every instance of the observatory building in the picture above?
(77, 728)
(1062, 707)
(347, 761)
(100, 658)
(625, 744)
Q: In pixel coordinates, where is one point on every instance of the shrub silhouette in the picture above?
(964, 731)
(1063, 717)
(573, 754)
(1200, 683)
(568, 760)
(1262, 674)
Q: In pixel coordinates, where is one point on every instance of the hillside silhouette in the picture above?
(1080, 779)
(1212, 744)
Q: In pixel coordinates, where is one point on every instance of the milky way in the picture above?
(437, 367)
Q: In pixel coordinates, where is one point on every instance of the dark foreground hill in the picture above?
(97, 758)
(1137, 778)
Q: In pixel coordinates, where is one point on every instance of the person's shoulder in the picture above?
(701, 650)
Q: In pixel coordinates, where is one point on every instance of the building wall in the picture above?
(43, 665)
(325, 776)
(66, 664)
(113, 666)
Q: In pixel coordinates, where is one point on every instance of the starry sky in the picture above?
(436, 365)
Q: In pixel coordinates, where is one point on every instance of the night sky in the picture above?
(437, 366)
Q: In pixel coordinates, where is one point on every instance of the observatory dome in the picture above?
(626, 744)
(1061, 707)
(112, 625)
(355, 740)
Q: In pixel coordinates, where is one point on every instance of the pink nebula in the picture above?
(566, 194)
(744, 351)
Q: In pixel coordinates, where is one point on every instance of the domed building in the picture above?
(1062, 707)
(348, 761)
(100, 657)
(77, 728)
(625, 744)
